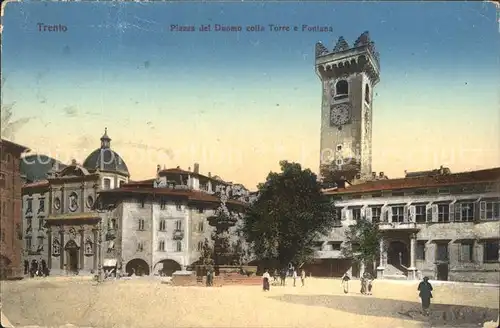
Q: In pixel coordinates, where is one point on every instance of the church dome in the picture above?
(105, 159)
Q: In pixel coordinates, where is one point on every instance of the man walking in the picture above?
(302, 277)
(294, 276)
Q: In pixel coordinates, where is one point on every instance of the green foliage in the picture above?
(331, 173)
(289, 214)
(366, 236)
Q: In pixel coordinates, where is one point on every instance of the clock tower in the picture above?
(348, 76)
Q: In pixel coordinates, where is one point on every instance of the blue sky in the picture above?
(254, 95)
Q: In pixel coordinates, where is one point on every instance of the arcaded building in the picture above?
(438, 224)
(162, 223)
(10, 209)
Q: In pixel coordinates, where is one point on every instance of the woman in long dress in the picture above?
(425, 294)
(266, 277)
(345, 283)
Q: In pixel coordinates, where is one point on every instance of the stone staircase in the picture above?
(393, 272)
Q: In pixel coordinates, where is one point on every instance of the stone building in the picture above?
(161, 224)
(348, 76)
(438, 224)
(59, 211)
(10, 209)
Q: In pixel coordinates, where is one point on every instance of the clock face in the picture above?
(339, 114)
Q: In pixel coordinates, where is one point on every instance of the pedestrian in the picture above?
(283, 277)
(275, 276)
(303, 276)
(266, 277)
(362, 280)
(370, 283)
(294, 276)
(425, 294)
(345, 282)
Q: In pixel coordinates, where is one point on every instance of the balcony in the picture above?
(400, 226)
(178, 234)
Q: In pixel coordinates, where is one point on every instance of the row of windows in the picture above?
(161, 246)
(466, 252)
(29, 243)
(422, 213)
(163, 205)
(29, 206)
(162, 226)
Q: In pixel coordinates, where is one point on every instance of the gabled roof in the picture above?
(487, 175)
(178, 170)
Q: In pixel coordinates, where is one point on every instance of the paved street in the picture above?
(144, 302)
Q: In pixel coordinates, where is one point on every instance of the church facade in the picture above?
(60, 222)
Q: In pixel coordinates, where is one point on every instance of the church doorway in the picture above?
(72, 249)
(398, 254)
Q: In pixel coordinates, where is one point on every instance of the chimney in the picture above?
(209, 174)
(196, 168)
(73, 161)
(381, 175)
(189, 169)
(178, 167)
(441, 170)
(374, 175)
(158, 168)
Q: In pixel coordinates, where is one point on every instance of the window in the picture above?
(337, 214)
(163, 225)
(28, 243)
(120, 182)
(178, 207)
(356, 214)
(341, 89)
(466, 212)
(466, 252)
(163, 203)
(178, 246)
(200, 210)
(41, 205)
(398, 214)
(161, 246)
(367, 93)
(492, 210)
(443, 212)
(178, 225)
(334, 245)
(2, 235)
(106, 184)
(141, 224)
(420, 213)
(200, 246)
(29, 206)
(339, 147)
(491, 251)
(442, 252)
(339, 162)
(40, 224)
(2, 180)
(420, 250)
(140, 246)
(143, 202)
(201, 226)
(376, 213)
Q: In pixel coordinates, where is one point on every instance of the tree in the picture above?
(331, 173)
(289, 214)
(363, 242)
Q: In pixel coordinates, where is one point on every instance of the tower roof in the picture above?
(344, 59)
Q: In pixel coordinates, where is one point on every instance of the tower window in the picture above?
(367, 93)
(339, 147)
(341, 89)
